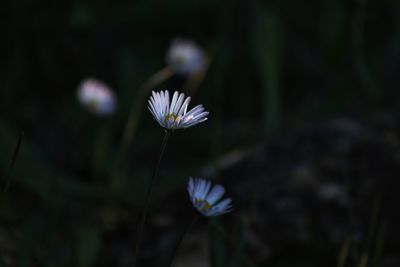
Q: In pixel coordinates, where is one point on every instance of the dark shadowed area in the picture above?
(303, 133)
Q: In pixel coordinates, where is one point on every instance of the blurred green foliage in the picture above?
(275, 65)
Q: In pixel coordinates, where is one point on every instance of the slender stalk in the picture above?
(11, 167)
(148, 195)
(182, 237)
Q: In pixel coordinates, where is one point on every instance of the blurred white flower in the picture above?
(175, 115)
(97, 97)
(185, 57)
(206, 199)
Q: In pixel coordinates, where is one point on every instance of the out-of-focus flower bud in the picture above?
(185, 57)
(97, 97)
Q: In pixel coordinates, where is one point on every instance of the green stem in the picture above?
(148, 196)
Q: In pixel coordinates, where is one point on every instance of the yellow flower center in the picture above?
(173, 117)
(94, 105)
(203, 204)
(180, 59)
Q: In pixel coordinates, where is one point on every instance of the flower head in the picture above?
(185, 57)
(206, 199)
(97, 97)
(174, 115)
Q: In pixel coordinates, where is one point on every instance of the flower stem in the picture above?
(148, 196)
(10, 169)
(181, 238)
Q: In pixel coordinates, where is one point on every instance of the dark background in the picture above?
(303, 132)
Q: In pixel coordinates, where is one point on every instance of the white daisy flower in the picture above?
(97, 97)
(206, 199)
(175, 115)
(185, 57)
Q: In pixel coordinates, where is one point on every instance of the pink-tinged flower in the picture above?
(174, 115)
(185, 57)
(207, 198)
(97, 97)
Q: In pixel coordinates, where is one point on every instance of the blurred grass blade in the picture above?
(12, 164)
(358, 36)
(236, 244)
(217, 245)
(379, 246)
(35, 173)
(344, 252)
(364, 260)
(268, 47)
(88, 245)
(33, 231)
(239, 241)
(100, 150)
